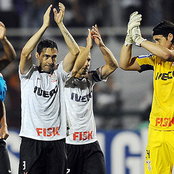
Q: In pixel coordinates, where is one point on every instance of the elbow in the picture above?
(24, 52)
(74, 72)
(115, 66)
(122, 65)
(14, 55)
(167, 56)
(75, 51)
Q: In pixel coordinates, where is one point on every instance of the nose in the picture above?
(50, 61)
(87, 63)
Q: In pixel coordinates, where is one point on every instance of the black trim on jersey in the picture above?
(146, 67)
(95, 76)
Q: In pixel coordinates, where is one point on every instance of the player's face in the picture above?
(48, 59)
(84, 70)
(161, 40)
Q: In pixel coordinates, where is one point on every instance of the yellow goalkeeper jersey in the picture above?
(162, 112)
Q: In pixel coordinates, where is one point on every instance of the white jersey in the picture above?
(79, 107)
(43, 108)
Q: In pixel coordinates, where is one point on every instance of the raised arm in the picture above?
(83, 55)
(165, 52)
(9, 52)
(111, 63)
(162, 52)
(74, 49)
(127, 62)
(3, 131)
(26, 61)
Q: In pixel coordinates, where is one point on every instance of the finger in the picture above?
(134, 14)
(136, 18)
(1, 24)
(55, 11)
(61, 6)
(96, 26)
(135, 24)
(49, 8)
(94, 29)
(89, 31)
(96, 36)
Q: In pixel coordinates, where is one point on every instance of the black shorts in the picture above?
(42, 157)
(4, 159)
(85, 159)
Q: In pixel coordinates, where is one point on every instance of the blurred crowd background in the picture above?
(124, 101)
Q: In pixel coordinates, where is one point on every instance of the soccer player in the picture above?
(5, 60)
(83, 150)
(160, 146)
(43, 124)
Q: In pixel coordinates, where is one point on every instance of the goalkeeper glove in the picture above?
(134, 21)
(136, 36)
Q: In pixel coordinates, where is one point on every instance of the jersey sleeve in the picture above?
(96, 75)
(3, 89)
(146, 62)
(65, 76)
(28, 74)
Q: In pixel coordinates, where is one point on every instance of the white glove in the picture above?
(134, 21)
(136, 36)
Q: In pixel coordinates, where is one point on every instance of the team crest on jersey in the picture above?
(53, 77)
(148, 162)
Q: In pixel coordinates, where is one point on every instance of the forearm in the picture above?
(158, 50)
(125, 56)
(109, 57)
(10, 53)
(3, 114)
(32, 42)
(81, 59)
(69, 40)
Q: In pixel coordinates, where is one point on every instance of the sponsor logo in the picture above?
(53, 77)
(164, 76)
(79, 98)
(47, 132)
(45, 94)
(164, 122)
(82, 135)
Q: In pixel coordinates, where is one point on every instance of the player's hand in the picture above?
(136, 36)
(2, 30)
(134, 21)
(4, 132)
(96, 36)
(89, 39)
(46, 18)
(58, 17)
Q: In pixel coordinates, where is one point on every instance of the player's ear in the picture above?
(37, 55)
(170, 37)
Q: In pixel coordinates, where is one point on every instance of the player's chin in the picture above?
(48, 69)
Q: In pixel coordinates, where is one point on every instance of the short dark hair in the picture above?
(164, 28)
(46, 44)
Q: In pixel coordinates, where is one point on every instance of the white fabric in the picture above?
(79, 106)
(43, 108)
